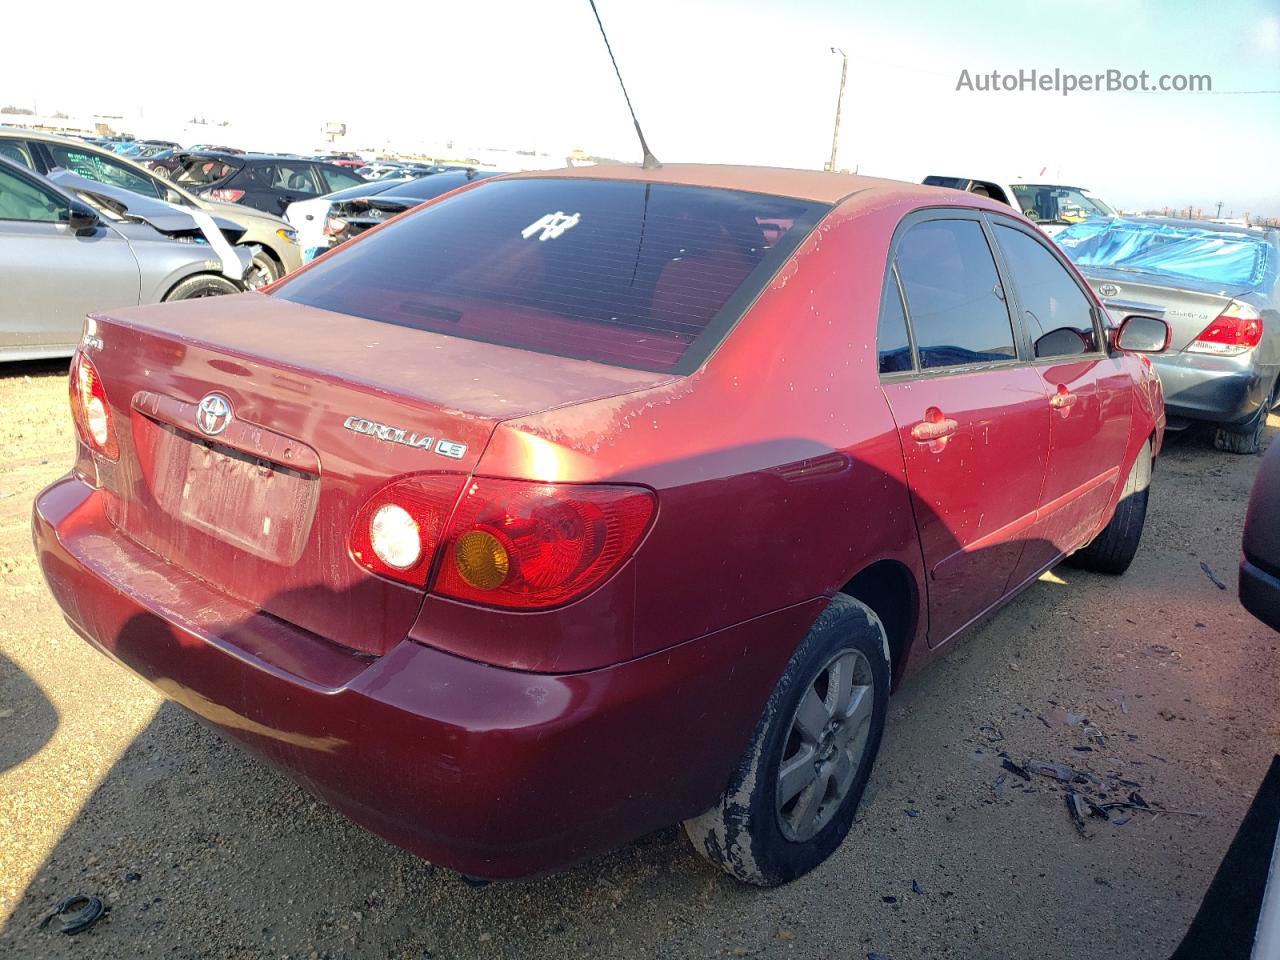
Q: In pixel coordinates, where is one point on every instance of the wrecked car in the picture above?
(68, 246)
(1050, 206)
(349, 213)
(1217, 286)
(575, 504)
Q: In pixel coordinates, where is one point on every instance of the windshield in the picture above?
(1049, 204)
(649, 276)
(1177, 251)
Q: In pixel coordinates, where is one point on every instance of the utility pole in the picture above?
(1219, 213)
(835, 136)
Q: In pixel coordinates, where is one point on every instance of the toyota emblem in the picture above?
(213, 414)
(1108, 290)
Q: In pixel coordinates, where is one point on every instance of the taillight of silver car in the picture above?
(1236, 330)
(513, 544)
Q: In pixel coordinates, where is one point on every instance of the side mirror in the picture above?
(1138, 334)
(81, 218)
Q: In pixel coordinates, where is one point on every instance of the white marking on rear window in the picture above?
(552, 225)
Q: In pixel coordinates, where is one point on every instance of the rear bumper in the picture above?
(1260, 593)
(493, 772)
(1219, 389)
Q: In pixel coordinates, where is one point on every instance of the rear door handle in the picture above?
(934, 427)
(1063, 400)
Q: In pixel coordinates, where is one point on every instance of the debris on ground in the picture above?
(916, 888)
(1078, 809)
(1058, 771)
(76, 913)
(1013, 768)
(997, 785)
(1209, 573)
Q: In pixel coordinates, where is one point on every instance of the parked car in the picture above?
(310, 217)
(278, 252)
(263, 181)
(66, 251)
(349, 213)
(1218, 287)
(1052, 207)
(576, 504)
(1260, 561)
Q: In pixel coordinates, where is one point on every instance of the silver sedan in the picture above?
(65, 253)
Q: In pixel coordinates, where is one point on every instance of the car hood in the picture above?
(165, 217)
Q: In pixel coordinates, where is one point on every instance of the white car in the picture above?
(310, 217)
(1052, 206)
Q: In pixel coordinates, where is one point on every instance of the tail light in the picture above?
(90, 410)
(397, 532)
(224, 195)
(511, 543)
(528, 546)
(1237, 329)
(334, 226)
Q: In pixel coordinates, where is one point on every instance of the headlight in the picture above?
(287, 235)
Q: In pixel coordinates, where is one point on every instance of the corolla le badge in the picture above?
(213, 414)
(1108, 290)
(406, 438)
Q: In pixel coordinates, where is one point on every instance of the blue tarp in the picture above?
(1176, 250)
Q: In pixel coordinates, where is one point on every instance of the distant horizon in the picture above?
(744, 82)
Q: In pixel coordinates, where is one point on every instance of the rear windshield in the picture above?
(202, 171)
(649, 276)
(1173, 250)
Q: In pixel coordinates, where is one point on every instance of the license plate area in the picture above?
(261, 507)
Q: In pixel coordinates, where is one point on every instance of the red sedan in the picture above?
(572, 505)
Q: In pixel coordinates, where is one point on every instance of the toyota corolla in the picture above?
(572, 505)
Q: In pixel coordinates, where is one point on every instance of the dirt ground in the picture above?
(202, 851)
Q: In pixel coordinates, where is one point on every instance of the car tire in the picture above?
(202, 285)
(1114, 548)
(263, 270)
(841, 667)
(1247, 438)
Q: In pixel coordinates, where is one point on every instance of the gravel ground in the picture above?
(202, 851)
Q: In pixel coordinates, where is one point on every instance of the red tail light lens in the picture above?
(396, 533)
(528, 546)
(90, 410)
(1237, 329)
(224, 195)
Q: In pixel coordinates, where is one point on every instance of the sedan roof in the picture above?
(815, 185)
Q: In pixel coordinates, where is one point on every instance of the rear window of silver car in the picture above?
(632, 274)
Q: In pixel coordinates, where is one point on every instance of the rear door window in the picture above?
(1057, 315)
(894, 345)
(18, 152)
(955, 301)
(293, 177)
(650, 276)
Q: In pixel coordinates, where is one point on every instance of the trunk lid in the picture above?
(325, 409)
(1188, 308)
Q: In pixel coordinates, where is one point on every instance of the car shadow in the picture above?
(27, 718)
(34, 368)
(202, 850)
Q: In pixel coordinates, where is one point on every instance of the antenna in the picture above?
(650, 161)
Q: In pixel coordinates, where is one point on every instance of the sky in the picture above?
(712, 81)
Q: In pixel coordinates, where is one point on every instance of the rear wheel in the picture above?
(203, 285)
(1247, 438)
(794, 793)
(1113, 549)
